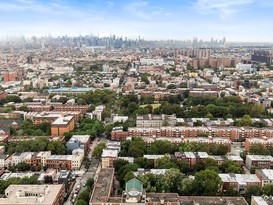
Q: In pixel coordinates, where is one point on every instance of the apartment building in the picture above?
(33, 195)
(259, 161)
(108, 157)
(50, 117)
(261, 200)
(265, 142)
(265, 175)
(40, 159)
(155, 120)
(191, 157)
(118, 133)
(239, 182)
(78, 141)
(62, 125)
(71, 108)
(103, 187)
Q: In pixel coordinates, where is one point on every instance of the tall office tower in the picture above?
(29, 60)
(224, 40)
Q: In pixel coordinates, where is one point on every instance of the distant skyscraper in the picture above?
(224, 40)
(29, 60)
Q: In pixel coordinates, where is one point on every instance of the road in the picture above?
(85, 175)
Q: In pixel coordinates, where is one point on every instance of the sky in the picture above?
(237, 20)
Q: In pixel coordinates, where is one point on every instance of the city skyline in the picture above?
(240, 20)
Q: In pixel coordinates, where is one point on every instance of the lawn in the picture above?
(153, 105)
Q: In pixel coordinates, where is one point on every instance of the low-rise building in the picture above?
(103, 187)
(265, 142)
(97, 113)
(155, 120)
(191, 157)
(259, 161)
(118, 133)
(239, 182)
(33, 195)
(78, 141)
(261, 200)
(120, 119)
(265, 175)
(108, 157)
(62, 125)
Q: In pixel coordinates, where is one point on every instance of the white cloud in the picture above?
(144, 10)
(223, 8)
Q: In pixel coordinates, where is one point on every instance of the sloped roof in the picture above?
(134, 184)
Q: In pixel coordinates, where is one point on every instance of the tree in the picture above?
(119, 164)
(252, 191)
(207, 183)
(97, 152)
(160, 147)
(268, 189)
(229, 166)
(171, 86)
(90, 182)
(258, 149)
(81, 202)
(56, 147)
(143, 163)
(231, 192)
(245, 121)
(130, 175)
(24, 108)
(145, 79)
(84, 195)
(124, 170)
(22, 166)
(137, 147)
(165, 163)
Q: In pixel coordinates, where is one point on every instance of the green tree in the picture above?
(22, 166)
(160, 147)
(165, 163)
(97, 152)
(268, 189)
(136, 148)
(81, 202)
(207, 183)
(118, 164)
(171, 86)
(130, 175)
(90, 182)
(84, 195)
(229, 166)
(245, 121)
(24, 108)
(56, 147)
(143, 163)
(252, 191)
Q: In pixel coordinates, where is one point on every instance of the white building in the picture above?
(245, 67)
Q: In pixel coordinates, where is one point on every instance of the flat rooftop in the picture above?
(74, 89)
(31, 194)
(103, 185)
(109, 153)
(192, 200)
(260, 157)
(62, 120)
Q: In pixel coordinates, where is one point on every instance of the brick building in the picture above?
(62, 125)
(239, 182)
(33, 195)
(259, 161)
(191, 157)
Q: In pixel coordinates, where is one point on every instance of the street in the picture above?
(84, 174)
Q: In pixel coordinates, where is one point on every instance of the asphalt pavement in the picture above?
(84, 174)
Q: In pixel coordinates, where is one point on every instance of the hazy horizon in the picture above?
(237, 20)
